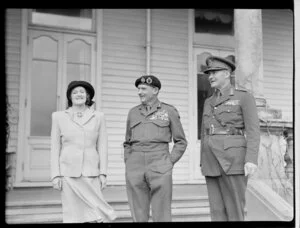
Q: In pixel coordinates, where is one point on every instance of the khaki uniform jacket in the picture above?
(78, 149)
(146, 131)
(236, 109)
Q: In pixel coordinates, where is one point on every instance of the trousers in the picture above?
(226, 194)
(149, 182)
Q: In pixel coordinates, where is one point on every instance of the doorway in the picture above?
(202, 90)
(54, 59)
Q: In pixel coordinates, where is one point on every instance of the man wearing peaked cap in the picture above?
(150, 127)
(227, 156)
(215, 63)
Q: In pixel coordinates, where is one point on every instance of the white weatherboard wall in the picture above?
(169, 61)
(13, 64)
(124, 59)
(278, 60)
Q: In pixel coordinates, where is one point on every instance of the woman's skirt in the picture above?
(83, 201)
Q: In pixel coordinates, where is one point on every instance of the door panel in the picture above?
(79, 52)
(54, 59)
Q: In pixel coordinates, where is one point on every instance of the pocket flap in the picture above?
(161, 123)
(234, 142)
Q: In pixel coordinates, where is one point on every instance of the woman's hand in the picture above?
(57, 183)
(103, 181)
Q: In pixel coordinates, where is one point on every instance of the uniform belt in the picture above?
(221, 131)
(149, 147)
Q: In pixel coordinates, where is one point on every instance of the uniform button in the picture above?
(215, 107)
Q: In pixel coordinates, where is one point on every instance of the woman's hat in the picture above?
(89, 88)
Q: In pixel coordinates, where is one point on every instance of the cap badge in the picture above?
(209, 62)
(149, 80)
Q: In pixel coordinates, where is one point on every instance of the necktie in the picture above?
(148, 108)
(219, 94)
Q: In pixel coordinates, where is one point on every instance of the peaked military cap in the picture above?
(218, 63)
(148, 80)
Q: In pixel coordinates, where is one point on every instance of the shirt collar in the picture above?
(154, 103)
(225, 89)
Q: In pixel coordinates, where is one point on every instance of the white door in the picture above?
(201, 90)
(54, 59)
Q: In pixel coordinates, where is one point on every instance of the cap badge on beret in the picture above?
(149, 80)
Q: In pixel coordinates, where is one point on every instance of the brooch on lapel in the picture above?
(232, 102)
(160, 115)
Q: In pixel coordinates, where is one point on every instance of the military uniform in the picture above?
(230, 137)
(148, 161)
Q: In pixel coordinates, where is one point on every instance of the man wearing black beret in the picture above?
(230, 139)
(150, 127)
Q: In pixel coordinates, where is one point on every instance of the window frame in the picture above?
(63, 28)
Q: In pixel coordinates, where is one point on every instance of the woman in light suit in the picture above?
(79, 157)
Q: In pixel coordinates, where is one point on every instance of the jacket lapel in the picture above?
(88, 115)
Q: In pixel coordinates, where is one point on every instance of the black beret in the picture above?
(217, 63)
(89, 88)
(148, 80)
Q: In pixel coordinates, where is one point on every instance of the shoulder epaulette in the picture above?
(169, 105)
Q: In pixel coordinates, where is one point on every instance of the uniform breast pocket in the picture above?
(137, 130)
(229, 112)
(160, 128)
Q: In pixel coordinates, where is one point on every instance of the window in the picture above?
(214, 21)
(81, 19)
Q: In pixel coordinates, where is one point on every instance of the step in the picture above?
(184, 208)
(118, 205)
(123, 216)
(54, 216)
(46, 218)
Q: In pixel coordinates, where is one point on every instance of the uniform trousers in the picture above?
(149, 181)
(226, 195)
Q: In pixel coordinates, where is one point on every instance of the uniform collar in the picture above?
(225, 89)
(226, 93)
(156, 104)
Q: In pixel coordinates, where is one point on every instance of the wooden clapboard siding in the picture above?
(169, 61)
(13, 64)
(278, 59)
(124, 59)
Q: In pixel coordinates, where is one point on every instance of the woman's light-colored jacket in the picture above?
(78, 149)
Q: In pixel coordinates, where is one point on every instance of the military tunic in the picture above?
(148, 161)
(230, 137)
